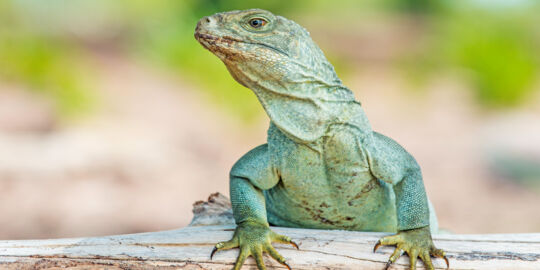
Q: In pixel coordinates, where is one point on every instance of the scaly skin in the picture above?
(322, 166)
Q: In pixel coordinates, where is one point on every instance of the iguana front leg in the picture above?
(391, 163)
(253, 236)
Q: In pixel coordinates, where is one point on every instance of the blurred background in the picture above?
(113, 119)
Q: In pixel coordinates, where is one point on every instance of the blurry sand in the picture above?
(156, 146)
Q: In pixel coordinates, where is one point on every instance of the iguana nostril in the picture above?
(209, 21)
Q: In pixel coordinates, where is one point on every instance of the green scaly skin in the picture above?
(323, 166)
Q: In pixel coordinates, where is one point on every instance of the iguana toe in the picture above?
(233, 243)
(241, 259)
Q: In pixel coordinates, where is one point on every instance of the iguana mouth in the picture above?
(213, 40)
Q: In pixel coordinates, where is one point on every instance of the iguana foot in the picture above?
(417, 243)
(253, 239)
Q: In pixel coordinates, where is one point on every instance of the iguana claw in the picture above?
(213, 252)
(377, 245)
(288, 267)
(447, 262)
(294, 245)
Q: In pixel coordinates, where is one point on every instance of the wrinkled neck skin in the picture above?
(299, 104)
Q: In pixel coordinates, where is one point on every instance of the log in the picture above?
(189, 248)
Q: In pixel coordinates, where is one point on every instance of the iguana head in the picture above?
(277, 59)
(261, 49)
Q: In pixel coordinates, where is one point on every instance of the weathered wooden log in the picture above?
(189, 248)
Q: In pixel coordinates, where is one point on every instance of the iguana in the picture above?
(323, 166)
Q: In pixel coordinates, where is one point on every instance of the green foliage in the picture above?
(45, 68)
(43, 64)
(416, 6)
(495, 49)
(500, 56)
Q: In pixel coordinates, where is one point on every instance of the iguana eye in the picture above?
(257, 22)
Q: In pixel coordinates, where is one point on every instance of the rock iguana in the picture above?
(323, 166)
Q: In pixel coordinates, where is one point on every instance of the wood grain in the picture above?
(189, 248)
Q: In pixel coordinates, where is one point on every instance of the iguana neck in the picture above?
(305, 120)
(303, 109)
